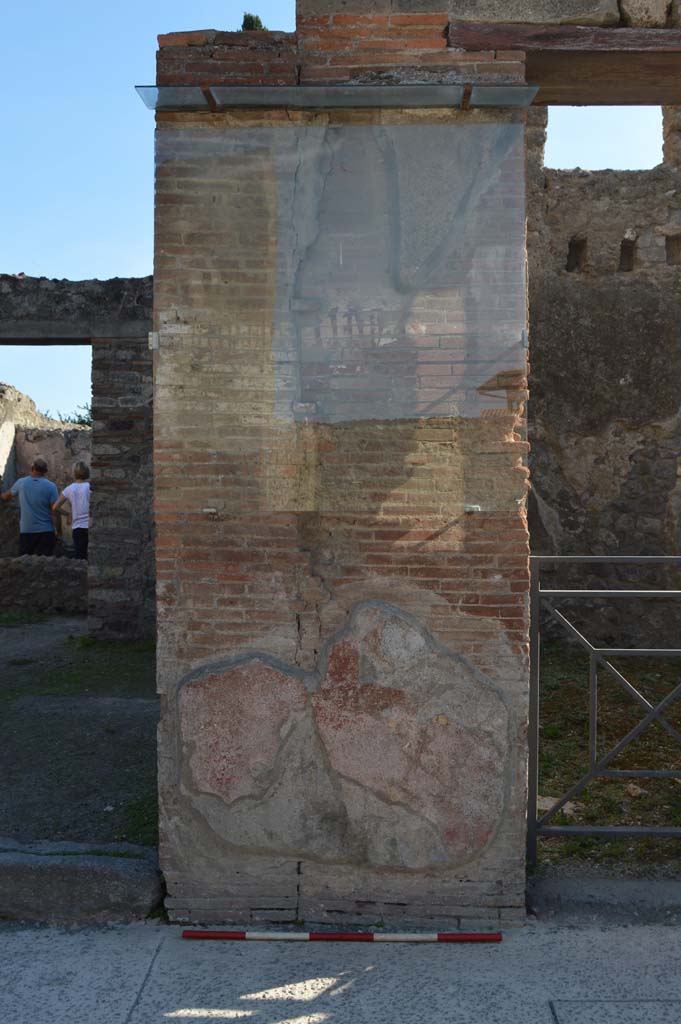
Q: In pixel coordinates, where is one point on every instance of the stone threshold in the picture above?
(63, 882)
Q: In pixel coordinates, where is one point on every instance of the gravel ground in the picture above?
(77, 736)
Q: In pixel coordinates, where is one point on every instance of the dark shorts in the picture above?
(37, 543)
(80, 542)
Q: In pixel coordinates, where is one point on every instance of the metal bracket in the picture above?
(153, 340)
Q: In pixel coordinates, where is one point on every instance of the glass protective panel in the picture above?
(349, 97)
(503, 95)
(169, 97)
(337, 291)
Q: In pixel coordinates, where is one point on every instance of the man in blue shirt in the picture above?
(37, 495)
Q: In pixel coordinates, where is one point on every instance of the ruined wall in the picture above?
(17, 411)
(115, 318)
(605, 429)
(22, 411)
(43, 586)
(341, 539)
(60, 448)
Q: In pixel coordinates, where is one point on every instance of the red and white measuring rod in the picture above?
(191, 933)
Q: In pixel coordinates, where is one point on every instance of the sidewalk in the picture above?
(146, 974)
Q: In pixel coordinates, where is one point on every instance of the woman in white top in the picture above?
(78, 496)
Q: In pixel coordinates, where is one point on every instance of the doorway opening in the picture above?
(45, 413)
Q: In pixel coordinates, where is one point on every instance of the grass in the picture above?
(140, 817)
(13, 619)
(92, 743)
(91, 643)
(564, 747)
(84, 667)
(159, 913)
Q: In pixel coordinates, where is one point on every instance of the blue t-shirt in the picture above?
(36, 496)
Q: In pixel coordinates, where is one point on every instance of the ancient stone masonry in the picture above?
(606, 13)
(17, 411)
(605, 304)
(61, 447)
(557, 12)
(122, 575)
(43, 586)
(41, 310)
(647, 13)
(342, 549)
(115, 318)
(20, 424)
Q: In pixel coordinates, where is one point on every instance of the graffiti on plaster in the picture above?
(387, 277)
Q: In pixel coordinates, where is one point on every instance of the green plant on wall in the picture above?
(81, 417)
(252, 22)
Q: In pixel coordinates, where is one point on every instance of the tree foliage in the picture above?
(82, 417)
(252, 22)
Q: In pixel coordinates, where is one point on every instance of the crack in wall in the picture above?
(299, 873)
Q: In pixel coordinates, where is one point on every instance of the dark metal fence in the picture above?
(599, 766)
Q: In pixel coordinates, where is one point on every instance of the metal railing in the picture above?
(599, 767)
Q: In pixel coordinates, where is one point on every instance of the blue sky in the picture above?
(76, 178)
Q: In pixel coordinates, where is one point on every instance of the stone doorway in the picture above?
(113, 317)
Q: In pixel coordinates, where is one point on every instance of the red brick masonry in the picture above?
(337, 49)
(339, 486)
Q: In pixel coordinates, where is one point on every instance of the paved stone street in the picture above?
(146, 974)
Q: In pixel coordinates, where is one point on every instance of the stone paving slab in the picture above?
(147, 974)
(584, 899)
(513, 983)
(618, 1012)
(88, 975)
(77, 882)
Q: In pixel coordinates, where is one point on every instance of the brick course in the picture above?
(332, 49)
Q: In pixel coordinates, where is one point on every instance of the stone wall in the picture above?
(605, 426)
(606, 13)
(41, 310)
(21, 410)
(60, 448)
(341, 538)
(122, 573)
(44, 586)
(114, 317)
(17, 411)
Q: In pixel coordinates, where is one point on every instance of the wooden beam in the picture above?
(572, 38)
(605, 79)
(575, 65)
